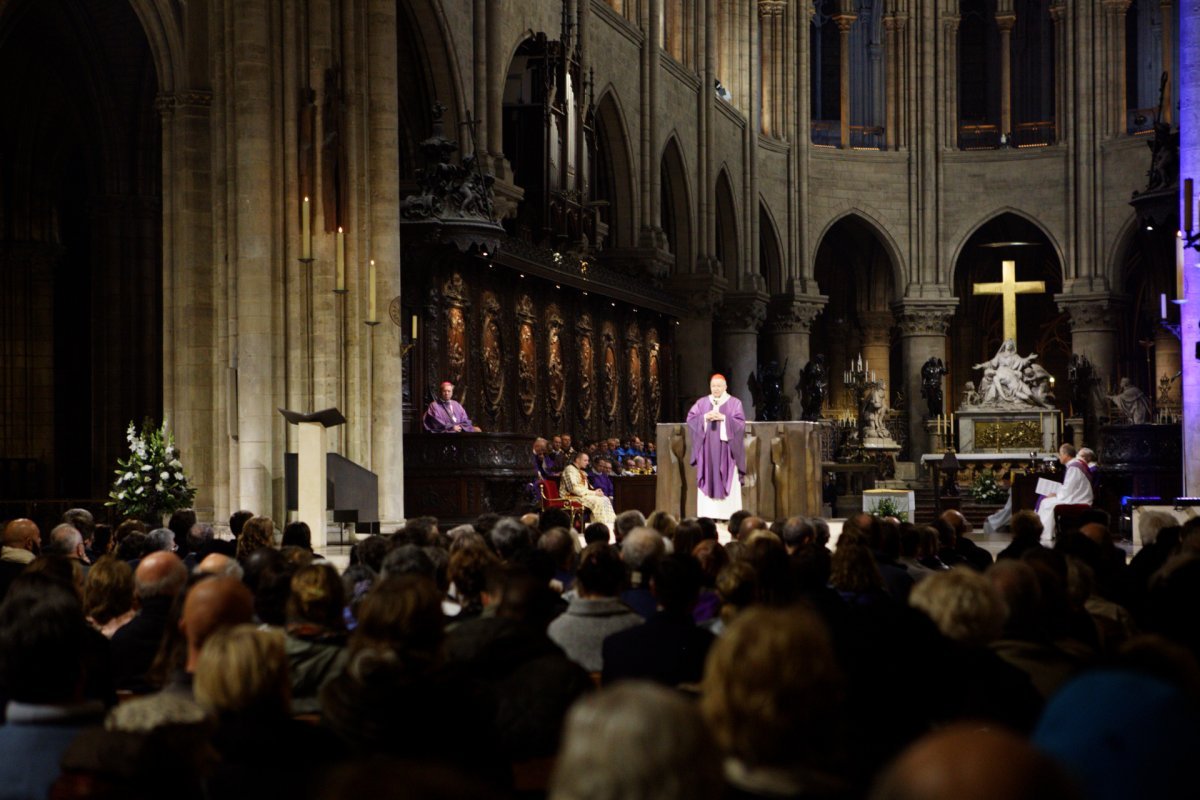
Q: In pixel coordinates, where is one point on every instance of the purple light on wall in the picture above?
(1188, 87)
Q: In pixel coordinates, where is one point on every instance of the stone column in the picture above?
(877, 343)
(948, 78)
(1189, 166)
(790, 327)
(705, 202)
(497, 74)
(479, 31)
(770, 15)
(252, 252)
(893, 31)
(740, 318)
(923, 327)
(651, 233)
(1094, 330)
(387, 453)
(843, 22)
(1118, 105)
(1006, 21)
(1166, 10)
(694, 334)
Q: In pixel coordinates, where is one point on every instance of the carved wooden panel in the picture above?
(554, 362)
(633, 376)
(493, 356)
(653, 354)
(585, 394)
(456, 348)
(611, 365)
(526, 358)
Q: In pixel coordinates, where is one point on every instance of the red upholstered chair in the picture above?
(550, 498)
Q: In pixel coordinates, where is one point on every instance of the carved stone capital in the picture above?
(792, 314)
(1093, 312)
(844, 21)
(1006, 23)
(895, 22)
(743, 312)
(876, 326)
(771, 8)
(924, 319)
(701, 292)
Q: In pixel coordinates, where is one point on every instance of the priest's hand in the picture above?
(458, 428)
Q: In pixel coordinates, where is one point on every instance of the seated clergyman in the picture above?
(575, 486)
(446, 415)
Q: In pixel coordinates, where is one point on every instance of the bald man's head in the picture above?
(159, 574)
(220, 564)
(22, 534)
(962, 761)
(212, 604)
(955, 519)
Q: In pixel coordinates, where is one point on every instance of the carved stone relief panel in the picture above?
(584, 399)
(653, 354)
(633, 376)
(611, 388)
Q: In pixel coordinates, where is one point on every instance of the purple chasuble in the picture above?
(443, 415)
(714, 459)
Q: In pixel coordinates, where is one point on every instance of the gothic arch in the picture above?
(984, 219)
(676, 206)
(1117, 262)
(770, 249)
(614, 169)
(425, 51)
(871, 221)
(728, 248)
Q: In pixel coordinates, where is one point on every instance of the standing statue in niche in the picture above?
(766, 384)
(812, 387)
(931, 386)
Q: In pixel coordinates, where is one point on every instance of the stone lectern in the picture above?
(311, 470)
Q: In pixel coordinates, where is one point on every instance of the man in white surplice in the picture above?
(1076, 490)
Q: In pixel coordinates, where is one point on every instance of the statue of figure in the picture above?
(1005, 381)
(931, 385)
(767, 386)
(970, 395)
(1038, 379)
(812, 387)
(1132, 403)
(1087, 400)
(872, 412)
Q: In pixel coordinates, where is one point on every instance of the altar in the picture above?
(783, 469)
(994, 430)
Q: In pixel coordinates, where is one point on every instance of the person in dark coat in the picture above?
(669, 648)
(158, 579)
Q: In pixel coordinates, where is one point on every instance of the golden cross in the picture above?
(1008, 288)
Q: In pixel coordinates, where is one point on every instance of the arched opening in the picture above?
(855, 269)
(417, 95)
(770, 255)
(676, 207)
(1147, 352)
(612, 184)
(80, 243)
(727, 229)
(978, 75)
(977, 328)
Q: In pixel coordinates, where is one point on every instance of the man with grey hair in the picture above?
(82, 520)
(641, 551)
(158, 579)
(66, 542)
(626, 521)
(161, 539)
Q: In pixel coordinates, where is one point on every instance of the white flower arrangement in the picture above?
(150, 482)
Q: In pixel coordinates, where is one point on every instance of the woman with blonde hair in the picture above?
(108, 595)
(316, 633)
(258, 533)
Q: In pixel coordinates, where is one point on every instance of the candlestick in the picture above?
(371, 292)
(340, 248)
(414, 327)
(305, 230)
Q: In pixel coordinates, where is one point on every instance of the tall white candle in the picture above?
(306, 229)
(371, 293)
(340, 246)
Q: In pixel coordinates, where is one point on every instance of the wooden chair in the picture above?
(550, 498)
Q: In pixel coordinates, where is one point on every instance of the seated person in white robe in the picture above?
(1076, 490)
(575, 486)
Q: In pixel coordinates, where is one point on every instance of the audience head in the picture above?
(108, 590)
(243, 671)
(181, 524)
(712, 558)
(969, 761)
(160, 539)
(1018, 585)
(708, 528)
(1026, 526)
(796, 532)
(238, 520)
(642, 549)
(964, 605)
(401, 620)
(688, 534)
(65, 541)
(665, 523)
(132, 546)
(560, 546)
(955, 519)
(213, 603)
(200, 537)
(41, 641)
(676, 583)
(508, 537)
(600, 573)
(408, 559)
(220, 564)
(772, 690)
(552, 518)
(468, 572)
(317, 597)
(749, 525)
(297, 534)
(81, 520)
(257, 534)
(626, 521)
(636, 741)
(159, 575)
(370, 552)
(102, 540)
(853, 569)
(596, 532)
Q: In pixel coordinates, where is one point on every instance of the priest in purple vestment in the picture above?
(446, 415)
(718, 424)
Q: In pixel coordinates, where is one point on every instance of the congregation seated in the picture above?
(469, 651)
